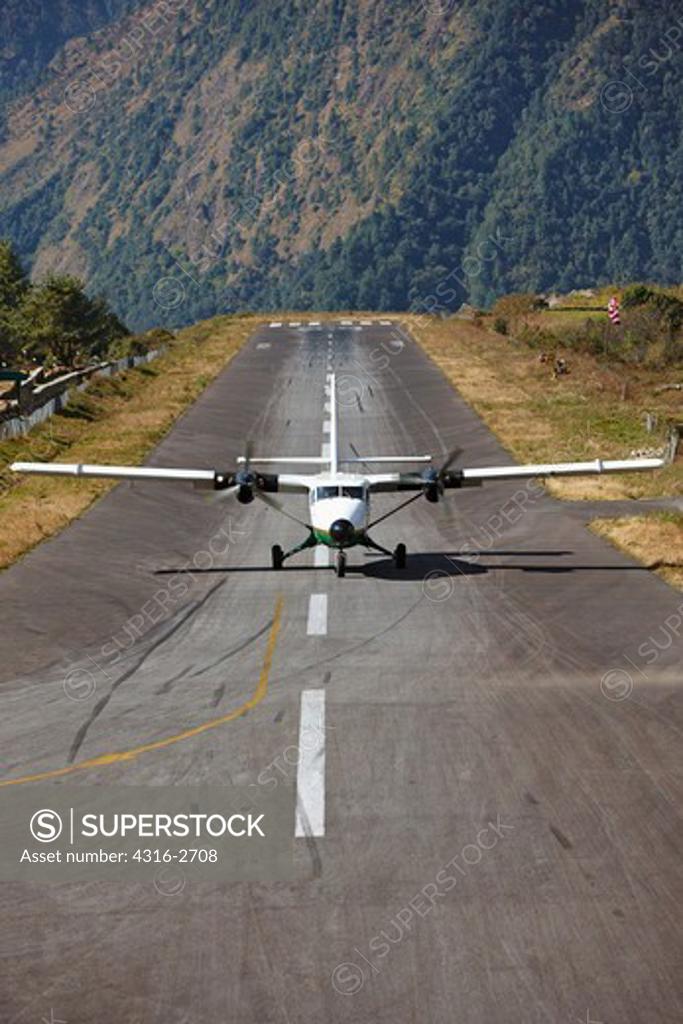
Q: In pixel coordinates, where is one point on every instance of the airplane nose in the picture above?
(342, 531)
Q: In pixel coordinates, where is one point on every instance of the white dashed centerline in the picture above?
(317, 615)
(310, 776)
(322, 556)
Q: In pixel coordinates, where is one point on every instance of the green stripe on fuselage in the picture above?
(323, 537)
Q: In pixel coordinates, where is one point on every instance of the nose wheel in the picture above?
(278, 556)
(340, 564)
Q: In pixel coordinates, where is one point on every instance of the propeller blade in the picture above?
(277, 507)
(216, 497)
(452, 457)
(248, 454)
(357, 454)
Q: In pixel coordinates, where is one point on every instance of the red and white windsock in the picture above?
(613, 310)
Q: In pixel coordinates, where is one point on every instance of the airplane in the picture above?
(339, 501)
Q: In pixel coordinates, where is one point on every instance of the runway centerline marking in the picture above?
(129, 755)
(317, 615)
(322, 556)
(310, 773)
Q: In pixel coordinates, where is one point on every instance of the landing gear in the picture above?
(278, 556)
(398, 554)
(340, 565)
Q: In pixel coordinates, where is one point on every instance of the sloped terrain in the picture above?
(189, 158)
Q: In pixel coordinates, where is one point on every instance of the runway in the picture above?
(492, 793)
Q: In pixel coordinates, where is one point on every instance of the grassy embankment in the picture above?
(118, 420)
(597, 410)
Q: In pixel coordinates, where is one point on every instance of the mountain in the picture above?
(187, 157)
(32, 32)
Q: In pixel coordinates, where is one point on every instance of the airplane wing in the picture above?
(198, 476)
(203, 479)
(458, 478)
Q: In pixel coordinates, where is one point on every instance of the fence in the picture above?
(36, 403)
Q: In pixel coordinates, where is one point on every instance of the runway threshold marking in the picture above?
(317, 615)
(128, 755)
(310, 773)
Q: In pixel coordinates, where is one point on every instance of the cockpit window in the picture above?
(326, 492)
(352, 492)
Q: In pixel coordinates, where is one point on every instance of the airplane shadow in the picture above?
(420, 564)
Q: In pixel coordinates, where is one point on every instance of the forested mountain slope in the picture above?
(32, 31)
(190, 157)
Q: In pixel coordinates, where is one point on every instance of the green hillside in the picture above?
(200, 157)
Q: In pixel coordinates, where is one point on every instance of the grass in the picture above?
(655, 540)
(118, 419)
(598, 410)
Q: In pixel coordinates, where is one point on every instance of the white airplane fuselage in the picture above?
(339, 509)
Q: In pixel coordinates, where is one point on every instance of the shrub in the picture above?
(516, 305)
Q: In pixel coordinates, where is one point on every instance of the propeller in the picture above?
(244, 478)
(434, 478)
(357, 454)
(277, 507)
(238, 485)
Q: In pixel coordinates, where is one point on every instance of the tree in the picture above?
(13, 280)
(8, 339)
(14, 286)
(61, 323)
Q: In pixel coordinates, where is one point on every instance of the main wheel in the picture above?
(277, 556)
(341, 564)
(400, 556)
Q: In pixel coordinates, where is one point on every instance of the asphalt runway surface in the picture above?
(507, 706)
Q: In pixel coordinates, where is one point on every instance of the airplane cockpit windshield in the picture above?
(350, 491)
(326, 492)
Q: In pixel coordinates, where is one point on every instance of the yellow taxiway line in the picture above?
(168, 741)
